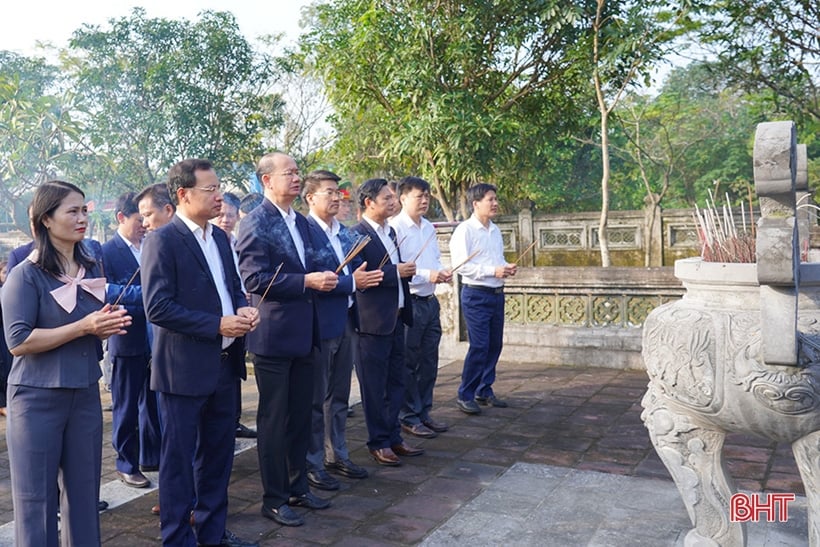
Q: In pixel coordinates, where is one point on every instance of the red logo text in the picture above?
(772, 507)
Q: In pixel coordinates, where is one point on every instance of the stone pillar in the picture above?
(525, 235)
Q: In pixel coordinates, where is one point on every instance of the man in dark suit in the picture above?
(380, 367)
(276, 266)
(135, 422)
(333, 365)
(194, 299)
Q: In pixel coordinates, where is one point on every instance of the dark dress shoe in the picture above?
(309, 500)
(322, 480)
(385, 456)
(347, 469)
(245, 432)
(137, 480)
(284, 515)
(438, 427)
(229, 539)
(405, 449)
(492, 400)
(468, 407)
(102, 505)
(149, 468)
(419, 430)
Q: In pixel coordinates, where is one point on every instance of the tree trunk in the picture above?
(603, 237)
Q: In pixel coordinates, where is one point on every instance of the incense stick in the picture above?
(272, 279)
(469, 258)
(429, 239)
(387, 254)
(355, 250)
(117, 301)
(522, 255)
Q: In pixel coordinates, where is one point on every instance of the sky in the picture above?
(25, 22)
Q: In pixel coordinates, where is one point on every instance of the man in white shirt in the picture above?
(478, 241)
(418, 243)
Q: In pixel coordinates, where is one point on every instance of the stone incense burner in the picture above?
(740, 353)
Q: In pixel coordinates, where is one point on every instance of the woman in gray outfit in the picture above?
(54, 318)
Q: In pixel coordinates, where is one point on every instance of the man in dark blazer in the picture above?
(382, 309)
(135, 431)
(336, 310)
(194, 300)
(275, 262)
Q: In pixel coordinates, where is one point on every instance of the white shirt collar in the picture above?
(334, 227)
(195, 228)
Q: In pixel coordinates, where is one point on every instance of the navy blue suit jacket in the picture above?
(18, 255)
(378, 306)
(119, 265)
(287, 315)
(331, 307)
(181, 301)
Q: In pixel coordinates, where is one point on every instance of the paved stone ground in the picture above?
(572, 426)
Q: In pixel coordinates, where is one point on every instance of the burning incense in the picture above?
(272, 279)
(469, 258)
(522, 255)
(117, 301)
(429, 239)
(361, 243)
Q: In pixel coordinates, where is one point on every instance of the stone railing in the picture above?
(567, 316)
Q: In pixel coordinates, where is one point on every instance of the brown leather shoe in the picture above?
(438, 427)
(385, 456)
(155, 510)
(405, 449)
(419, 430)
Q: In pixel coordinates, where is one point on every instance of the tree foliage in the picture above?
(161, 90)
(447, 89)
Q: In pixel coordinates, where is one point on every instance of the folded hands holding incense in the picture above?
(406, 269)
(321, 281)
(367, 278)
(245, 320)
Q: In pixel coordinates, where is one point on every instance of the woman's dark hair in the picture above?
(47, 199)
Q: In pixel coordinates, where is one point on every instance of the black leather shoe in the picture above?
(468, 407)
(284, 515)
(245, 432)
(492, 400)
(405, 449)
(322, 480)
(309, 500)
(149, 468)
(347, 469)
(137, 480)
(102, 505)
(419, 430)
(229, 539)
(438, 427)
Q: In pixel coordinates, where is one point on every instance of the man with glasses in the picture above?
(276, 263)
(336, 311)
(194, 299)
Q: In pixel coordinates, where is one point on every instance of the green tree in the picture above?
(448, 89)
(40, 135)
(160, 90)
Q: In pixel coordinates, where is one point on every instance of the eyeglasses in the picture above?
(290, 174)
(330, 193)
(210, 189)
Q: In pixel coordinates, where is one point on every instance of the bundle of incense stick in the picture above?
(360, 244)
(387, 254)
(469, 258)
(272, 279)
(429, 239)
(522, 255)
(117, 301)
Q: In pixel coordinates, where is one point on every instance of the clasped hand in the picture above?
(107, 321)
(234, 326)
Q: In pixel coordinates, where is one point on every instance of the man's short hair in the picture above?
(314, 179)
(477, 192)
(183, 175)
(126, 204)
(408, 184)
(250, 202)
(158, 194)
(231, 199)
(370, 189)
